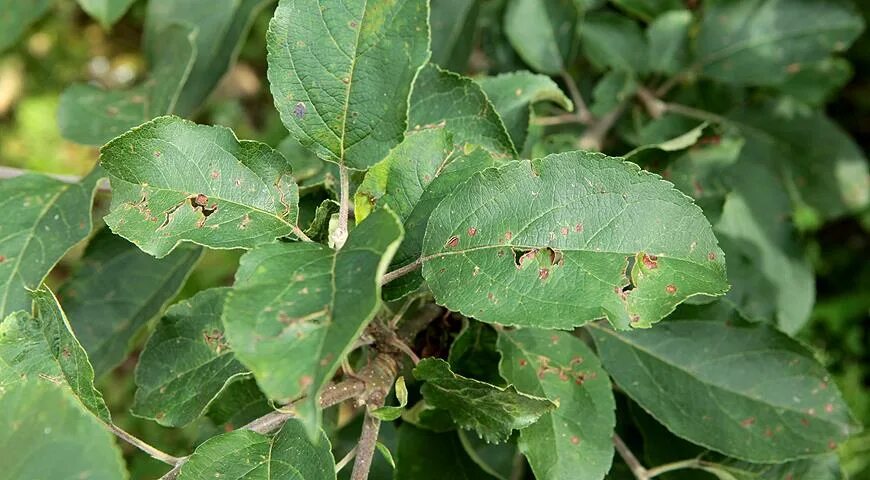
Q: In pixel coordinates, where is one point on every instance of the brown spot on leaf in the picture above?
(711, 256)
(453, 241)
(634, 318)
(157, 154)
(508, 235)
(747, 422)
(305, 381)
(523, 362)
(805, 421)
(793, 68)
(650, 261)
(671, 289)
(564, 231)
(2, 259)
(200, 200)
(472, 231)
(832, 445)
(575, 440)
(215, 174)
(829, 408)
(543, 273)
(578, 228)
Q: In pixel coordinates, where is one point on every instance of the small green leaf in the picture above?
(107, 12)
(175, 181)
(819, 467)
(453, 29)
(648, 9)
(668, 42)
(246, 455)
(44, 347)
(514, 245)
(17, 18)
(543, 32)
(385, 452)
(50, 218)
(680, 142)
(513, 94)
(613, 89)
(297, 308)
(490, 411)
(762, 393)
(186, 362)
(425, 455)
(45, 433)
(575, 440)
(460, 105)
(763, 42)
(388, 414)
(117, 290)
(335, 89)
(614, 41)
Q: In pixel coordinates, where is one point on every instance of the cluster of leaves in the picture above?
(438, 197)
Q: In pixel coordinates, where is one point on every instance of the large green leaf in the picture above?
(460, 105)
(560, 241)
(543, 32)
(341, 74)
(411, 181)
(297, 308)
(425, 455)
(175, 181)
(247, 455)
(747, 391)
(17, 18)
(107, 12)
(819, 467)
(492, 412)
(668, 42)
(46, 434)
(92, 115)
(453, 23)
(575, 440)
(117, 290)
(221, 27)
(186, 362)
(49, 218)
(614, 41)
(44, 347)
(512, 95)
(762, 42)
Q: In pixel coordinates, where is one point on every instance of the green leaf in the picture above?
(613, 89)
(385, 452)
(91, 115)
(425, 455)
(668, 42)
(473, 353)
(246, 455)
(490, 411)
(50, 218)
(427, 417)
(221, 26)
(175, 181)
(341, 74)
(497, 460)
(614, 41)
(45, 433)
(820, 467)
(107, 12)
(411, 181)
(452, 23)
(680, 142)
(815, 83)
(747, 391)
(117, 290)
(543, 32)
(575, 440)
(460, 105)
(239, 403)
(186, 362)
(513, 94)
(763, 42)
(514, 245)
(43, 346)
(17, 18)
(648, 9)
(389, 413)
(297, 308)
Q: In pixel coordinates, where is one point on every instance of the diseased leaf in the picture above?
(38, 417)
(411, 180)
(297, 308)
(763, 42)
(175, 181)
(246, 455)
(186, 362)
(747, 391)
(560, 241)
(49, 218)
(575, 440)
(443, 98)
(491, 411)
(92, 115)
(17, 18)
(425, 455)
(668, 41)
(221, 27)
(107, 12)
(117, 290)
(513, 94)
(44, 347)
(543, 32)
(341, 74)
(452, 23)
(614, 41)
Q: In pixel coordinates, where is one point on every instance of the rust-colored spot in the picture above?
(200, 200)
(453, 241)
(352, 24)
(575, 440)
(635, 318)
(160, 415)
(829, 408)
(491, 297)
(650, 261)
(2, 259)
(832, 445)
(564, 231)
(793, 68)
(805, 421)
(215, 174)
(157, 154)
(65, 352)
(711, 256)
(523, 362)
(543, 273)
(671, 289)
(508, 235)
(472, 231)
(554, 339)
(768, 432)
(747, 422)
(578, 228)
(306, 381)
(577, 360)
